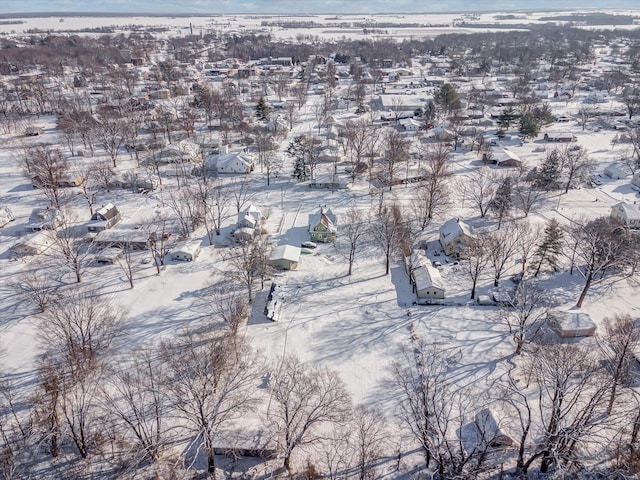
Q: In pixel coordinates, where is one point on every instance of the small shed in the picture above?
(5, 216)
(614, 172)
(285, 257)
(571, 324)
(186, 252)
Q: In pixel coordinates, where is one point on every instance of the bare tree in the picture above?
(79, 328)
(187, 205)
(526, 239)
(621, 338)
(576, 165)
(387, 229)
(480, 189)
(432, 195)
(245, 263)
(355, 227)
(524, 314)
(477, 254)
(210, 389)
(110, 130)
(600, 245)
(304, 399)
(36, 288)
(570, 391)
(137, 402)
(396, 152)
(501, 246)
(69, 249)
(126, 263)
(431, 408)
(241, 193)
(48, 169)
(528, 196)
(586, 113)
(369, 436)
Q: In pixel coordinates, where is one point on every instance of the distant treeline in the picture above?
(369, 25)
(11, 22)
(592, 18)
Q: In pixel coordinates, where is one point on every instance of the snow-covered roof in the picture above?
(504, 155)
(286, 252)
(571, 324)
(189, 247)
(249, 216)
(631, 211)
(105, 213)
(326, 217)
(453, 229)
(426, 276)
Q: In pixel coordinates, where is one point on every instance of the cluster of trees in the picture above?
(87, 402)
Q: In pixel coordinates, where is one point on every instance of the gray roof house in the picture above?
(104, 218)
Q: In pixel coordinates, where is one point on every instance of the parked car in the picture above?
(309, 245)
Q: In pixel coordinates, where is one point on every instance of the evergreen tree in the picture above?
(550, 248)
(549, 173)
(503, 202)
(262, 109)
(507, 117)
(529, 126)
(447, 99)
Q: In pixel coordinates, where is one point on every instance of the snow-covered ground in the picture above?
(353, 324)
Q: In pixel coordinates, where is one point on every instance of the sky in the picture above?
(298, 6)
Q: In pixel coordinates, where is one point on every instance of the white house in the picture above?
(47, 218)
(409, 125)
(249, 217)
(234, 162)
(615, 172)
(5, 216)
(454, 235)
(627, 214)
(186, 252)
(428, 282)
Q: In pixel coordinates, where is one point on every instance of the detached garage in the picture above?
(186, 252)
(285, 257)
(571, 324)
